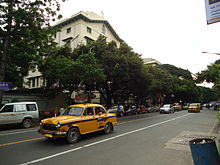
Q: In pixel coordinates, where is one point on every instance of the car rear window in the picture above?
(31, 107)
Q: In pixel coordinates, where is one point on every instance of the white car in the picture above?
(24, 113)
(114, 109)
(167, 108)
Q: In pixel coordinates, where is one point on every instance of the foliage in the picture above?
(179, 72)
(212, 74)
(61, 71)
(25, 35)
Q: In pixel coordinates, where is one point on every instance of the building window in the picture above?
(38, 81)
(103, 29)
(89, 40)
(68, 30)
(68, 43)
(33, 83)
(89, 30)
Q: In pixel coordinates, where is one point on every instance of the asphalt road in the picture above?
(146, 139)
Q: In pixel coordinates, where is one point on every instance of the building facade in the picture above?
(80, 28)
(151, 61)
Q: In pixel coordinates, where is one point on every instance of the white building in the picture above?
(80, 28)
(151, 61)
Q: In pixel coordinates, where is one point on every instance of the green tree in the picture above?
(176, 71)
(212, 74)
(25, 35)
(61, 71)
(161, 83)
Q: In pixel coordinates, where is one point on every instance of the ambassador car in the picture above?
(77, 120)
(194, 107)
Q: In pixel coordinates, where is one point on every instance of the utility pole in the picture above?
(211, 53)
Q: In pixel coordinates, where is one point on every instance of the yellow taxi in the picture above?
(77, 120)
(177, 107)
(194, 107)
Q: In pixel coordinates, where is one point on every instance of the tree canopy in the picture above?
(25, 35)
(177, 71)
(211, 74)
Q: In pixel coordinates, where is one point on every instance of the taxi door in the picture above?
(101, 117)
(89, 122)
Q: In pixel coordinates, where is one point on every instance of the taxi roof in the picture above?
(85, 105)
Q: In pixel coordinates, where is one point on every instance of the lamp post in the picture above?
(211, 53)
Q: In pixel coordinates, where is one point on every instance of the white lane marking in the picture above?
(12, 133)
(101, 141)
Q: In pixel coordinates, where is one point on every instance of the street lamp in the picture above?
(211, 53)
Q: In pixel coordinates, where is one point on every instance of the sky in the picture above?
(172, 32)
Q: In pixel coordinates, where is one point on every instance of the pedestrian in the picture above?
(56, 112)
(61, 111)
(118, 109)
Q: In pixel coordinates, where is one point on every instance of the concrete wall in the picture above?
(44, 103)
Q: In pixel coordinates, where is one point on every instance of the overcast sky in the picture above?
(170, 31)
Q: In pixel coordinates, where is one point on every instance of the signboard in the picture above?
(79, 96)
(5, 85)
(212, 11)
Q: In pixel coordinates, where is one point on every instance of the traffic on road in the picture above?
(134, 135)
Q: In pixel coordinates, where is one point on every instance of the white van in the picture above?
(24, 113)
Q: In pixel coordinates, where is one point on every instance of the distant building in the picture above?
(151, 61)
(84, 27)
(80, 28)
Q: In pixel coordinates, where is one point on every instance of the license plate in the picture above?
(48, 135)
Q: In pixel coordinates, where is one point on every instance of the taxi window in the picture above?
(73, 111)
(99, 110)
(88, 111)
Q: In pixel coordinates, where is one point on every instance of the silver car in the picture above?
(167, 108)
(24, 113)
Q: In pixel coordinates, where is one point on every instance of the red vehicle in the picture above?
(142, 109)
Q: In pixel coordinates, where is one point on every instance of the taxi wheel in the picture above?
(108, 128)
(73, 135)
(27, 123)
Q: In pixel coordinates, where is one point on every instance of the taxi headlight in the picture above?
(58, 125)
(41, 123)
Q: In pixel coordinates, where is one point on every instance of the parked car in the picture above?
(141, 109)
(194, 107)
(77, 120)
(185, 106)
(152, 108)
(24, 113)
(118, 110)
(177, 106)
(131, 110)
(167, 108)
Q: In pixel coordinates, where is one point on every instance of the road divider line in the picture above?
(22, 141)
(125, 122)
(101, 141)
(12, 133)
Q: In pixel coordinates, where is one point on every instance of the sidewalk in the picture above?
(217, 132)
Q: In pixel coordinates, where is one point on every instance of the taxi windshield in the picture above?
(193, 105)
(73, 111)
